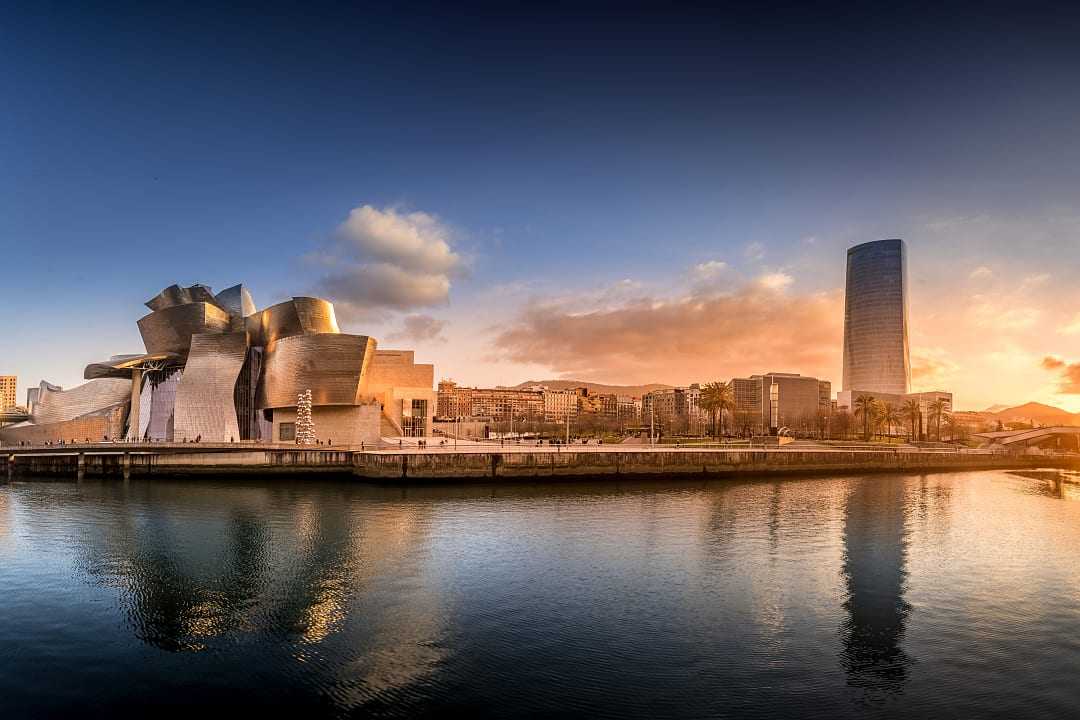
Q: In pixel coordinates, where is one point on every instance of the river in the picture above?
(953, 594)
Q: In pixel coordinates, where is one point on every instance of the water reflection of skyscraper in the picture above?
(875, 547)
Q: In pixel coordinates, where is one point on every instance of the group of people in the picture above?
(51, 443)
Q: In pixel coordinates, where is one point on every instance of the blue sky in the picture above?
(583, 164)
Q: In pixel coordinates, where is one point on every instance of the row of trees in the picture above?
(886, 417)
(870, 415)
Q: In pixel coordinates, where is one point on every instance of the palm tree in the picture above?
(935, 411)
(716, 397)
(889, 416)
(864, 406)
(726, 399)
(708, 403)
(911, 412)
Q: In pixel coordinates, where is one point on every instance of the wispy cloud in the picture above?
(754, 251)
(420, 328)
(709, 270)
(755, 327)
(1072, 327)
(775, 280)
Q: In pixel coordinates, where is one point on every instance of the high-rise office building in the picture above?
(765, 403)
(875, 318)
(7, 391)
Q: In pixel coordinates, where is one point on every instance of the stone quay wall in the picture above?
(439, 465)
(447, 466)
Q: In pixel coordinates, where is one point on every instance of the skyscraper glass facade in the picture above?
(875, 318)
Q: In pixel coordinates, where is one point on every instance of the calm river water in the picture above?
(951, 595)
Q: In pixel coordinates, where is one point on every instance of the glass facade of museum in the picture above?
(875, 318)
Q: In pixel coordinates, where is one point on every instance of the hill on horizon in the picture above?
(633, 390)
(1037, 412)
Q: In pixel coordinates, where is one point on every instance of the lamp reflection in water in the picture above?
(874, 568)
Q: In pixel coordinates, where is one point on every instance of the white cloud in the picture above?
(414, 241)
(383, 259)
(384, 285)
(981, 273)
(775, 280)
(709, 270)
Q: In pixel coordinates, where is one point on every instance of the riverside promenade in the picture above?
(487, 461)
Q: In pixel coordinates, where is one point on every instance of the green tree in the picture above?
(864, 407)
(936, 411)
(911, 413)
(890, 416)
(716, 397)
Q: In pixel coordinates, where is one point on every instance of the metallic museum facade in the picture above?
(218, 370)
(876, 357)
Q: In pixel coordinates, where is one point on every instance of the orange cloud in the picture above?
(932, 368)
(1069, 374)
(758, 328)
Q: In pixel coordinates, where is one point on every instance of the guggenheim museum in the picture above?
(215, 369)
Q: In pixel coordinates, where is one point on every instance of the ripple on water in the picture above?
(948, 594)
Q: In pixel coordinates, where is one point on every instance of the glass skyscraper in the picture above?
(875, 318)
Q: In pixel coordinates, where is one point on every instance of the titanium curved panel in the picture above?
(175, 295)
(331, 365)
(236, 301)
(299, 316)
(121, 366)
(204, 396)
(170, 330)
(54, 406)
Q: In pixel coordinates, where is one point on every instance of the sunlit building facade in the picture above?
(499, 404)
(215, 369)
(764, 404)
(7, 391)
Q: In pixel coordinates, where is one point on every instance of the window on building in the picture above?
(287, 431)
(416, 424)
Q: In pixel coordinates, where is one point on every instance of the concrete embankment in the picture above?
(483, 464)
(92, 463)
(446, 466)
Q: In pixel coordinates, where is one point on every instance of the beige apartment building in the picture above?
(7, 391)
(499, 404)
(675, 410)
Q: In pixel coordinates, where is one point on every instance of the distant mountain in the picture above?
(995, 409)
(632, 390)
(1037, 413)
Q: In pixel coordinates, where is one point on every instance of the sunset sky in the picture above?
(611, 194)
